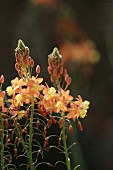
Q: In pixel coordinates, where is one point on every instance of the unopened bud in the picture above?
(16, 67)
(65, 72)
(61, 70)
(71, 129)
(80, 126)
(49, 70)
(20, 73)
(29, 60)
(32, 63)
(52, 79)
(69, 81)
(66, 77)
(26, 62)
(55, 72)
(60, 122)
(2, 79)
(37, 69)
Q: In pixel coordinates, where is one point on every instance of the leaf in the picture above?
(76, 167)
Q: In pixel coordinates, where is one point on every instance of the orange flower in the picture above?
(49, 99)
(78, 108)
(79, 100)
(16, 86)
(50, 93)
(18, 82)
(73, 111)
(55, 102)
(2, 96)
(65, 97)
(60, 106)
(34, 85)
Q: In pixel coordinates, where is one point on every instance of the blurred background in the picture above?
(83, 32)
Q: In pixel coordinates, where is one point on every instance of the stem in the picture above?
(65, 145)
(2, 143)
(31, 135)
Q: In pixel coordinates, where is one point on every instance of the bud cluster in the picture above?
(24, 62)
(57, 72)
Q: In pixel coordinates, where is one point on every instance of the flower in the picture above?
(65, 97)
(18, 100)
(9, 90)
(21, 114)
(78, 109)
(83, 108)
(72, 111)
(34, 86)
(2, 95)
(60, 107)
(49, 93)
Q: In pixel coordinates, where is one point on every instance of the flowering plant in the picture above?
(29, 108)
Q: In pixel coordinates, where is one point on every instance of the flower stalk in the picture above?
(31, 135)
(68, 163)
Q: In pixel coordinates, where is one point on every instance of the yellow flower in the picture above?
(21, 114)
(1, 101)
(51, 92)
(18, 100)
(60, 106)
(86, 104)
(18, 97)
(82, 113)
(36, 87)
(84, 107)
(9, 90)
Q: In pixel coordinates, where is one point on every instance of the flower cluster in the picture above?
(37, 104)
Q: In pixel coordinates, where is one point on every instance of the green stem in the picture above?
(2, 143)
(31, 135)
(65, 145)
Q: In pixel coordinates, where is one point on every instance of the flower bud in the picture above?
(16, 67)
(49, 70)
(52, 78)
(31, 63)
(69, 81)
(65, 72)
(37, 69)
(70, 129)
(29, 60)
(20, 73)
(80, 126)
(2, 79)
(66, 78)
(61, 70)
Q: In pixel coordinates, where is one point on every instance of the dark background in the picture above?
(36, 26)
